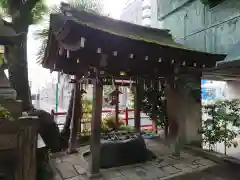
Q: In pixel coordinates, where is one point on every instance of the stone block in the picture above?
(133, 173)
(204, 162)
(113, 175)
(154, 172)
(66, 170)
(77, 178)
(170, 169)
(80, 170)
(147, 172)
(185, 167)
(57, 177)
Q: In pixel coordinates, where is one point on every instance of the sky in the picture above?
(40, 76)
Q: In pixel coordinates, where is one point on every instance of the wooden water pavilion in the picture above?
(100, 48)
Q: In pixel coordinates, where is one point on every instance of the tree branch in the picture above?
(31, 4)
(28, 6)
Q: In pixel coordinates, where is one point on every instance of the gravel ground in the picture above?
(219, 172)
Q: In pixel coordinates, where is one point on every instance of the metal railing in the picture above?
(125, 112)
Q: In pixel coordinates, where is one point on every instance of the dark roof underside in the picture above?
(151, 48)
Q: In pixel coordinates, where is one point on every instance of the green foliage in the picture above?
(31, 11)
(218, 127)
(147, 131)
(86, 117)
(191, 85)
(87, 109)
(109, 123)
(154, 105)
(38, 11)
(127, 129)
(5, 114)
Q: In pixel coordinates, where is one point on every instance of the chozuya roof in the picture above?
(62, 25)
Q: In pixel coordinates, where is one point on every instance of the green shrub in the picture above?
(127, 129)
(5, 114)
(109, 123)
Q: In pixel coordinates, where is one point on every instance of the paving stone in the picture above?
(113, 175)
(57, 177)
(134, 173)
(77, 178)
(170, 169)
(80, 170)
(185, 167)
(66, 170)
(204, 162)
(154, 172)
(76, 160)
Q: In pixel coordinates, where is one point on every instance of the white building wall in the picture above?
(141, 12)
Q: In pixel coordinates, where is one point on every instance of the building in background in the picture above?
(141, 12)
(212, 27)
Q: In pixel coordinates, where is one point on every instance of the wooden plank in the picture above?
(96, 126)
(137, 108)
(19, 139)
(75, 118)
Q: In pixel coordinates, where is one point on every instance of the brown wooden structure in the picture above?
(18, 143)
(100, 48)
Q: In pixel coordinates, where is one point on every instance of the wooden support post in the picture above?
(75, 118)
(172, 107)
(126, 115)
(137, 104)
(96, 127)
(117, 106)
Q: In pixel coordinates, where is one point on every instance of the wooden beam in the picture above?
(137, 104)
(117, 106)
(75, 118)
(96, 127)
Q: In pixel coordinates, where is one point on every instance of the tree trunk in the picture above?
(18, 66)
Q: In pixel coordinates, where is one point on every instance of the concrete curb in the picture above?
(214, 156)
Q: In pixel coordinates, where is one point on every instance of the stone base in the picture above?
(94, 176)
(123, 152)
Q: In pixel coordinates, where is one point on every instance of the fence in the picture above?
(126, 115)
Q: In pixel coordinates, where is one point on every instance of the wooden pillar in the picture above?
(75, 117)
(117, 105)
(96, 127)
(137, 108)
(172, 108)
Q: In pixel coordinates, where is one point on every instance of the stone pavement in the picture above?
(74, 167)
